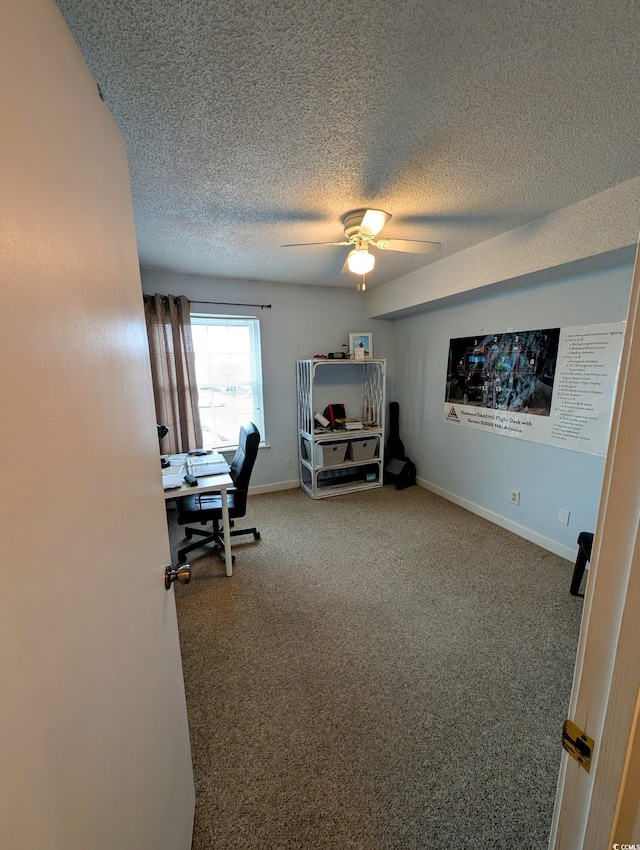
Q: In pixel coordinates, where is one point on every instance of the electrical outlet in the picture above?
(563, 517)
(515, 497)
(287, 463)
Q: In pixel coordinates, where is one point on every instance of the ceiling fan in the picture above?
(361, 228)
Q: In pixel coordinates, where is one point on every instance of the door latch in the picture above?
(578, 744)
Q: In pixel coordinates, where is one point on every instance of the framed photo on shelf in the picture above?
(361, 345)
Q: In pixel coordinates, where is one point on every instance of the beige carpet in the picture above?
(385, 671)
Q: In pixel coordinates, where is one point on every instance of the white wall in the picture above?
(303, 321)
(479, 469)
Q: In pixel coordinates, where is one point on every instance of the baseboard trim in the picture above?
(273, 488)
(503, 522)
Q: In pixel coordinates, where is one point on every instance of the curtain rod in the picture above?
(226, 303)
(234, 304)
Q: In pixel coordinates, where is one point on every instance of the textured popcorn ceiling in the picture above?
(251, 124)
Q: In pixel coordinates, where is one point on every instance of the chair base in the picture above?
(209, 537)
(216, 537)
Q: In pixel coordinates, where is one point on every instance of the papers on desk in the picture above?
(172, 475)
(210, 464)
(213, 464)
(172, 480)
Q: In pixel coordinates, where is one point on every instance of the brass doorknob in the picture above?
(181, 574)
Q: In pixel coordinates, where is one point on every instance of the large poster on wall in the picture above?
(554, 385)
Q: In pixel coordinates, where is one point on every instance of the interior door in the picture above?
(93, 726)
(596, 809)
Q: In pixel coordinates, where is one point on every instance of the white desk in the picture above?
(206, 484)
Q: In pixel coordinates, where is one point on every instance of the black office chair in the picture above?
(207, 507)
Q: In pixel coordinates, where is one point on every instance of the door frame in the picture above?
(607, 673)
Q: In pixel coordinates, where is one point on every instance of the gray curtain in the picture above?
(173, 371)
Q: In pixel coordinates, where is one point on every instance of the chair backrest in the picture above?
(245, 456)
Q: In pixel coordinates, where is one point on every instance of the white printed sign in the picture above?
(553, 386)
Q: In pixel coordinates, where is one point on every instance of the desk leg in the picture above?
(226, 528)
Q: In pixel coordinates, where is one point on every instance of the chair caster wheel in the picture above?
(256, 535)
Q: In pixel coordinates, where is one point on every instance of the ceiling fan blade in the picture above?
(462, 217)
(409, 246)
(373, 222)
(306, 244)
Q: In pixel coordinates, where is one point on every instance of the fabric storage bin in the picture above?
(360, 450)
(330, 454)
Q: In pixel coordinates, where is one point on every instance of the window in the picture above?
(229, 376)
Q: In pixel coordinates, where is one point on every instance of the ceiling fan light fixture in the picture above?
(373, 222)
(360, 261)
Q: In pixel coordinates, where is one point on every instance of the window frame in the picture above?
(255, 354)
